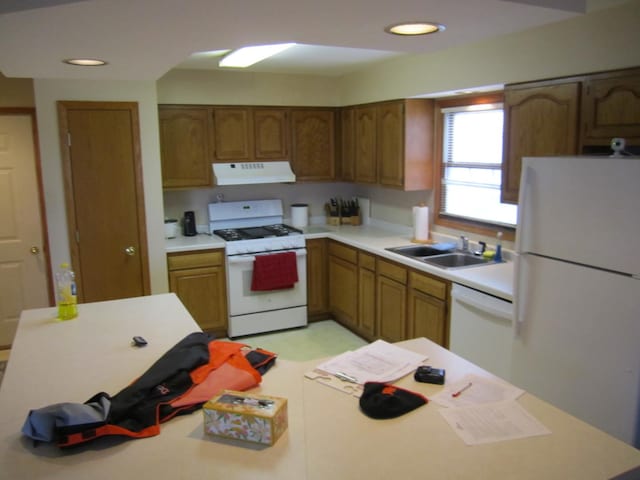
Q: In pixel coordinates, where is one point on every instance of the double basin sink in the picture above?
(443, 255)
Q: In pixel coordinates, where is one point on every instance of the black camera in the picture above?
(427, 374)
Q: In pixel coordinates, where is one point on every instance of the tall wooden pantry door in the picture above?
(24, 260)
(104, 199)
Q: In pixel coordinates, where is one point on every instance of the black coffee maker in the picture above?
(189, 224)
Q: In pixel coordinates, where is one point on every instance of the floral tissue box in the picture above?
(246, 416)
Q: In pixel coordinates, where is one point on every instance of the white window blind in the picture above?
(472, 165)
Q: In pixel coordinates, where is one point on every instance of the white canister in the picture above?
(299, 215)
(171, 228)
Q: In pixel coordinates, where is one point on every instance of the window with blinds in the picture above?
(472, 165)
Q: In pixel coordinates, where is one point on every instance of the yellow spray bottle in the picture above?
(66, 293)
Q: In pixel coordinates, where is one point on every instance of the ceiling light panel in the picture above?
(85, 62)
(414, 28)
(247, 56)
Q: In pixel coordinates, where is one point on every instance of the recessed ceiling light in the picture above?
(414, 28)
(85, 62)
(247, 56)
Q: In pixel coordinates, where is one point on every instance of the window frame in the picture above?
(448, 221)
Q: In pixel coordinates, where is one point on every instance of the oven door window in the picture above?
(243, 300)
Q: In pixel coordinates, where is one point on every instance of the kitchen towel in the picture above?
(421, 223)
(274, 271)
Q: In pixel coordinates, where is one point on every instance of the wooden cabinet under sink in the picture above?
(378, 298)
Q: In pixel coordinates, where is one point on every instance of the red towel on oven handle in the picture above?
(274, 271)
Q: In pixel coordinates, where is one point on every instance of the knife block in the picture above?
(352, 220)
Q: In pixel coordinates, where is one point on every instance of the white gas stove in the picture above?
(251, 229)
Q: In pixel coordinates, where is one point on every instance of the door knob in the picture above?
(131, 251)
(35, 250)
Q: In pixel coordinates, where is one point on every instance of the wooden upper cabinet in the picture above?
(233, 134)
(611, 107)
(185, 139)
(365, 144)
(391, 144)
(394, 144)
(313, 144)
(540, 120)
(271, 133)
(247, 134)
(417, 138)
(347, 144)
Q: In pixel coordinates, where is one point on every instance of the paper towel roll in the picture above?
(421, 223)
(365, 210)
(299, 215)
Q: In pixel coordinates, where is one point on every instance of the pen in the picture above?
(345, 377)
(457, 394)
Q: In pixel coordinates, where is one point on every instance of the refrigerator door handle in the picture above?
(518, 317)
(522, 203)
(518, 284)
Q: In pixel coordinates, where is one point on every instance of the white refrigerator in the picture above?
(577, 289)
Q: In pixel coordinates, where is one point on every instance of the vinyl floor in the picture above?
(318, 340)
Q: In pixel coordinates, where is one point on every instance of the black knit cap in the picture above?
(381, 400)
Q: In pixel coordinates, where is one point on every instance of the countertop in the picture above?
(495, 279)
(327, 436)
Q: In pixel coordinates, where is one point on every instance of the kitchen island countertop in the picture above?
(494, 279)
(327, 436)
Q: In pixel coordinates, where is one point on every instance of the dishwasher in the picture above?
(481, 329)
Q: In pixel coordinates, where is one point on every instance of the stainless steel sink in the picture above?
(420, 251)
(442, 255)
(456, 260)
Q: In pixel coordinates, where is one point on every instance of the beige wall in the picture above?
(602, 40)
(50, 91)
(16, 92)
(237, 88)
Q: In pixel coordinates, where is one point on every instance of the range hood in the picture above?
(247, 173)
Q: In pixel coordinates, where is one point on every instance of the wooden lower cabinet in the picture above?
(317, 279)
(367, 326)
(378, 298)
(199, 280)
(427, 308)
(391, 301)
(343, 288)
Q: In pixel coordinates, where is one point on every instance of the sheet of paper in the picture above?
(379, 361)
(475, 390)
(493, 422)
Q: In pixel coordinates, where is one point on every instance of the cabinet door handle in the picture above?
(34, 250)
(130, 250)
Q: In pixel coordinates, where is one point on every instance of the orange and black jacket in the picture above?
(179, 382)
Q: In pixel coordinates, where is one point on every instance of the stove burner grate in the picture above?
(251, 233)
